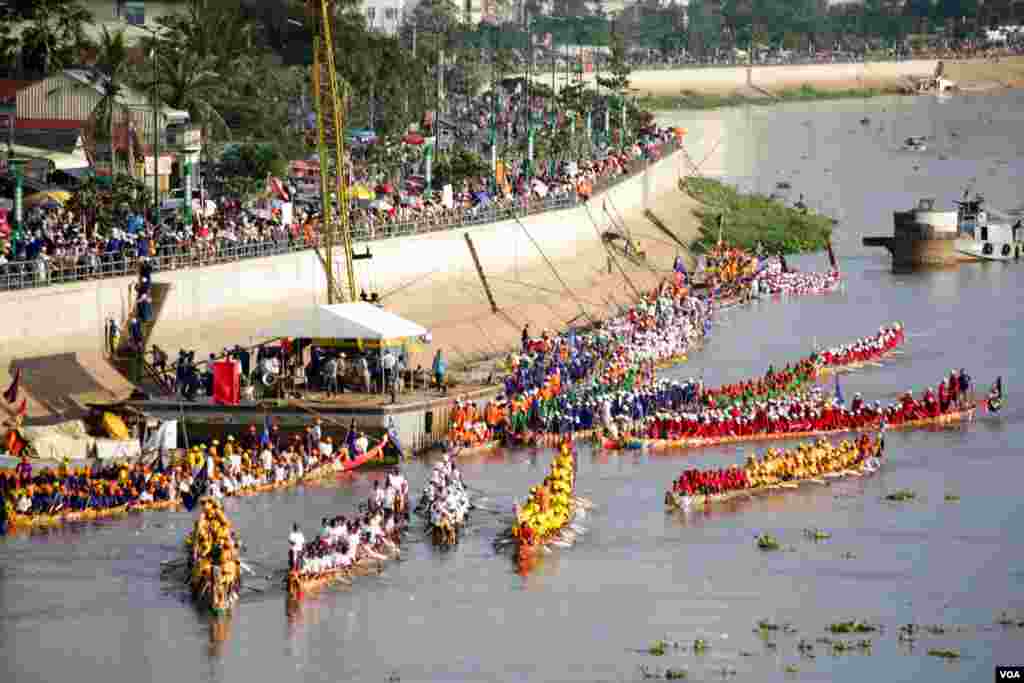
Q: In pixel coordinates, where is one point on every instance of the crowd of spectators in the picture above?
(56, 248)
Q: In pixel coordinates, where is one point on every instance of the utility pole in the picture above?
(156, 148)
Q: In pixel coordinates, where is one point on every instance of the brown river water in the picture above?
(88, 603)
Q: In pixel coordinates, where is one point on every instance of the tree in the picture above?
(97, 207)
(706, 27)
(54, 36)
(109, 77)
(617, 78)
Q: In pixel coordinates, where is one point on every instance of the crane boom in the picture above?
(330, 118)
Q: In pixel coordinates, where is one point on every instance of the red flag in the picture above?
(11, 395)
(23, 408)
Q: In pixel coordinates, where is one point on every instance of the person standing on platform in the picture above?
(439, 368)
(330, 377)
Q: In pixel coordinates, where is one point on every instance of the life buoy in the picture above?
(269, 379)
(1006, 250)
(987, 249)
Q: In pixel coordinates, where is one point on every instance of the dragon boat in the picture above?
(299, 585)
(340, 464)
(638, 443)
(675, 500)
(213, 560)
(21, 522)
(547, 516)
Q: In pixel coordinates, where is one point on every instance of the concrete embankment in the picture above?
(56, 333)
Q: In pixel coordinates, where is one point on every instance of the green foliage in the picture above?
(458, 165)
(53, 38)
(616, 78)
(252, 160)
(98, 206)
(768, 542)
(901, 496)
(853, 626)
(688, 99)
(944, 653)
(753, 219)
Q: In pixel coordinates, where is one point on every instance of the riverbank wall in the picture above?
(55, 334)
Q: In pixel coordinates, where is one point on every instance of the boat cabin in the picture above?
(981, 237)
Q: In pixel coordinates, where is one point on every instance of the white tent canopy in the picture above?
(348, 321)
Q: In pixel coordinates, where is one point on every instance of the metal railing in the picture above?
(17, 275)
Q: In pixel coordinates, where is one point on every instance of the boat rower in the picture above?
(296, 544)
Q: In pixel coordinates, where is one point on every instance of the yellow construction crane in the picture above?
(330, 125)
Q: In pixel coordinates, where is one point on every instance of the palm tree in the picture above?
(55, 33)
(108, 77)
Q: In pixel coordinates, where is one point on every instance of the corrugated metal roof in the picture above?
(73, 95)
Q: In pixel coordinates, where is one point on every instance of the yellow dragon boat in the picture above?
(214, 564)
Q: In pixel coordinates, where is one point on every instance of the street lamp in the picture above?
(156, 131)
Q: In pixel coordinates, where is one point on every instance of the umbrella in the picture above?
(413, 139)
(385, 188)
(362, 192)
(481, 197)
(40, 198)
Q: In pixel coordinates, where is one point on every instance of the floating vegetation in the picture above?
(792, 669)
(747, 653)
(908, 632)
(765, 625)
(901, 496)
(816, 534)
(768, 542)
(952, 498)
(1006, 620)
(852, 627)
(700, 646)
(657, 649)
(848, 556)
(669, 674)
(935, 629)
(944, 654)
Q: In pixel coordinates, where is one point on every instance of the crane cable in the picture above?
(553, 270)
(610, 254)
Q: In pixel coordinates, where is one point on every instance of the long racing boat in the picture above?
(871, 462)
(548, 514)
(213, 561)
(21, 522)
(638, 443)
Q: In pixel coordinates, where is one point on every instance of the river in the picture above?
(89, 603)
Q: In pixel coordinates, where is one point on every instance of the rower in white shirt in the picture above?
(296, 542)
